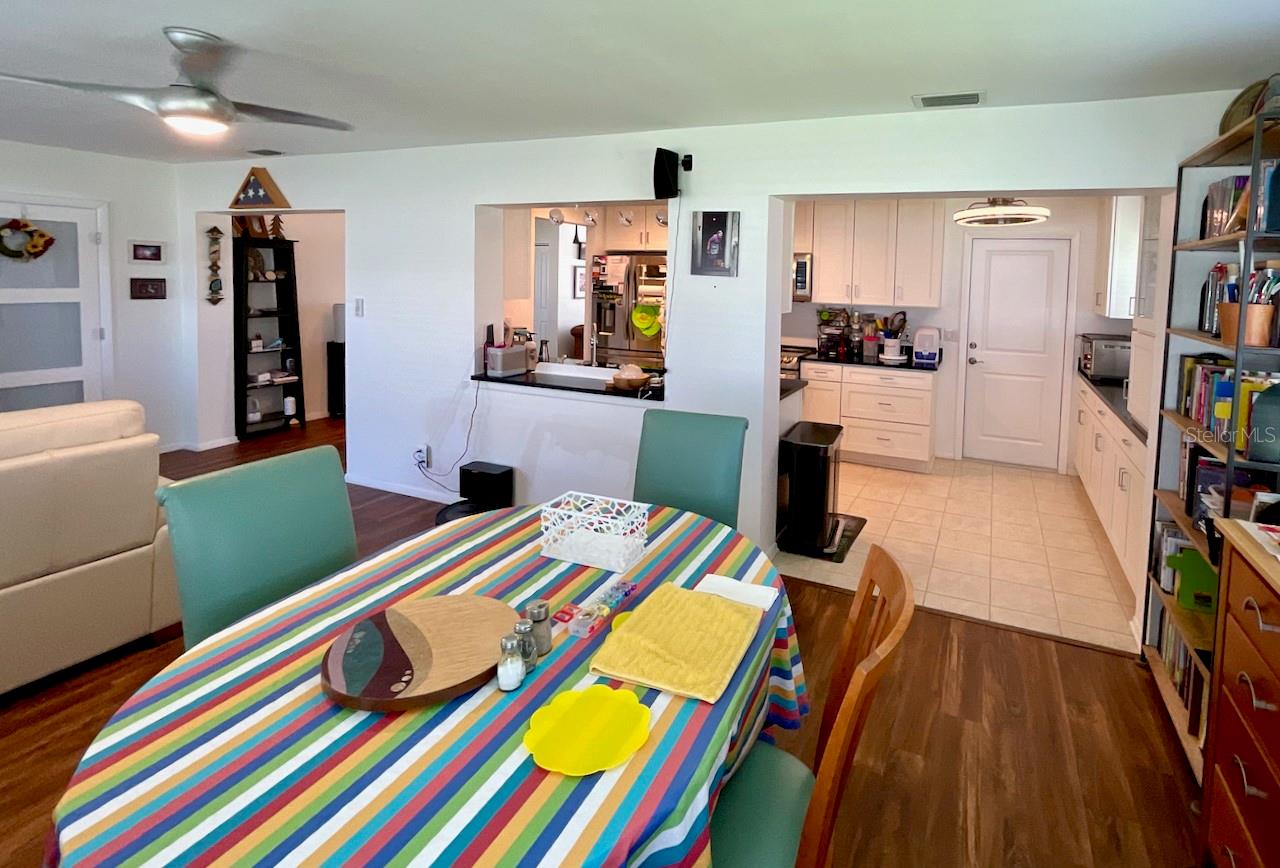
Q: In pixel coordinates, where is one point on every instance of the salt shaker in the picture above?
(528, 647)
(510, 664)
(539, 612)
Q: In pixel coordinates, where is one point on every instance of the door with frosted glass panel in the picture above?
(50, 345)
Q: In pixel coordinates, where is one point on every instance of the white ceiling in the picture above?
(420, 72)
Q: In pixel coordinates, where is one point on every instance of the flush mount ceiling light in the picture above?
(998, 211)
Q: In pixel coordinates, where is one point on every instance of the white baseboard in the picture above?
(435, 493)
(318, 414)
(214, 444)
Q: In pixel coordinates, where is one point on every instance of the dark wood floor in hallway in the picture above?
(987, 746)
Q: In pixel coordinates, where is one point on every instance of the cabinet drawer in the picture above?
(890, 405)
(891, 439)
(814, 371)
(1229, 842)
(1254, 686)
(869, 376)
(1239, 759)
(1257, 609)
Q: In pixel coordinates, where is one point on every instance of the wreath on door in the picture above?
(24, 241)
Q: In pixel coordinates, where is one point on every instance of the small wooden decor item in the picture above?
(215, 264)
(258, 190)
(417, 653)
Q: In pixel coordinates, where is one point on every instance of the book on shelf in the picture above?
(1169, 540)
(1221, 202)
(1266, 215)
(1189, 376)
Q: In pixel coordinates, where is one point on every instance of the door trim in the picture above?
(1068, 356)
(106, 317)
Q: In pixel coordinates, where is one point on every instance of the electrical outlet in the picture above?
(426, 455)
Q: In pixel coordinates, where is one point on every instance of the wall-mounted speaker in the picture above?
(666, 178)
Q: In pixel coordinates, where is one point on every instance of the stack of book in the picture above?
(1222, 205)
(1206, 394)
(1266, 214)
(1168, 541)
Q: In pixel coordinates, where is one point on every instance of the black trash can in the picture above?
(808, 482)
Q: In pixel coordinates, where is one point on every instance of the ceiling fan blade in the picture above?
(202, 57)
(284, 116)
(141, 97)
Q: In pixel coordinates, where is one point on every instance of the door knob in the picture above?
(974, 361)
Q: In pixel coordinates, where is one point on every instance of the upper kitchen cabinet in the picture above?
(875, 232)
(1119, 257)
(832, 251)
(803, 235)
(655, 228)
(624, 227)
(1153, 269)
(917, 259)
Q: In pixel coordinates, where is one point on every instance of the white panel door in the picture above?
(545, 299)
(875, 229)
(832, 247)
(1017, 337)
(50, 338)
(917, 261)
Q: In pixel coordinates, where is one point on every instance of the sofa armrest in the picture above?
(165, 607)
(161, 520)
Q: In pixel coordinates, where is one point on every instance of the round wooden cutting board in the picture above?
(417, 653)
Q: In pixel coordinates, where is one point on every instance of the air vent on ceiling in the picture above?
(266, 152)
(950, 100)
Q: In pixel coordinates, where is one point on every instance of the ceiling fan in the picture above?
(193, 104)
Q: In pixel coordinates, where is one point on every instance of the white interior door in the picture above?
(1017, 337)
(50, 318)
(545, 299)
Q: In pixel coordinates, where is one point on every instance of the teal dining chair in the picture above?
(692, 461)
(773, 813)
(250, 535)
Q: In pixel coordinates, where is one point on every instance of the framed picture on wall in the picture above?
(579, 281)
(147, 252)
(147, 287)
(715, 243)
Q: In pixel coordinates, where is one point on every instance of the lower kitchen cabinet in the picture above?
(822, 402)
(887, 414)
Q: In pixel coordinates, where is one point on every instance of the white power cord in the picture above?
(420, 458)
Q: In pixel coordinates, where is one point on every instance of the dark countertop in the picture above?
(1112, 394)
(911, 366)
(790, 387)
(602, 388)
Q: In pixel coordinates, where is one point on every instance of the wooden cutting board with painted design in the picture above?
(416, 653)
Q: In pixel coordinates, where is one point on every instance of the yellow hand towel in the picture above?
(684, 642)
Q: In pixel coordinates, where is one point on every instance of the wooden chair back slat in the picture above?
(880, 614)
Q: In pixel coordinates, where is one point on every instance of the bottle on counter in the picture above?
(528, 646)
(510, 663)
(539, 612)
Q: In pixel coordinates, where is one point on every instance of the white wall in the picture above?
(320, 257)
(147, 335)
(411, 225)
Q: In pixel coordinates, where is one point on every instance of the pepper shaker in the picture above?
(539, 612)
(510, 664)
(528, 647)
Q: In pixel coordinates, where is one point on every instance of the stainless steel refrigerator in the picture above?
(631, 291)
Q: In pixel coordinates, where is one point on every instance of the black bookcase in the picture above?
(266, 307)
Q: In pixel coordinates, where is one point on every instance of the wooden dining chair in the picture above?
(247, 536)
(773, 812)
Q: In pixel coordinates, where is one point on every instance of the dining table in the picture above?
(233, 754)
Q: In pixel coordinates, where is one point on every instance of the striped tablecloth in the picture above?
(233, 755)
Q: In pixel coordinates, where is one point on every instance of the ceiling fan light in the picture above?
(195, 125)
(999, 211)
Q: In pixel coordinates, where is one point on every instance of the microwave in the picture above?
(1105, 357)
(802, 277)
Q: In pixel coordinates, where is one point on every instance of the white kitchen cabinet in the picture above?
(803, 236)
(822, 402)
(1142, 360)
(1119, 257)
(875, 230)
(655, 228)
(917, 260)
(888, 417)
(1156, 259)
(624, 227)
(1138, 497)
(833, 222)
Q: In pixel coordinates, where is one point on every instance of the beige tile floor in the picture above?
(1002, 543)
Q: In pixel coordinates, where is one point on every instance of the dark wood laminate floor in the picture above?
(987, 746)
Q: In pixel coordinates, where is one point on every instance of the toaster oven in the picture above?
(1105, 357)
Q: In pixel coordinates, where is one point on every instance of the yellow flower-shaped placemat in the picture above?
(684, 642)
(581, 732)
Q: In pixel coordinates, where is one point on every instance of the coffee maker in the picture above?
(832, 343)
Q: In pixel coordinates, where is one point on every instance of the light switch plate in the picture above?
(359, 304)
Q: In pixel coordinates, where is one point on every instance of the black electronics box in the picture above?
(490, 485)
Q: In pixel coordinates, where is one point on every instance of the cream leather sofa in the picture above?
(85, 564)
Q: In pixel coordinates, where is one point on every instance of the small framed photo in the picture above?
(147, 287)
(148, 252)
(579, 281)
(715, 243)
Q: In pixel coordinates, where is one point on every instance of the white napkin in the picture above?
(760, 596)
